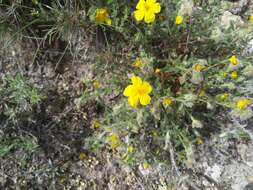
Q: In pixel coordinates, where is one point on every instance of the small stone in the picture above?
(249, 186)
(228, 18)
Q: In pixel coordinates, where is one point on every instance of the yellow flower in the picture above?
(145, 165)
(167, 102)
(137, 63)
(154, 133)
(95, 124)
(233, 59)
(202, 93)
(225, 74)
(102, 16)
(146, 9)
(243, 103)
(157, 70)
(224, 96)
(82, 156)
(251, 18)
(234, 74)
(138, 92)
(199, 141)
(114, 141)
(96, 84)
(130, 149)
(198, 67)
(179, 20)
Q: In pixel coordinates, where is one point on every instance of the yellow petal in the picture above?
(145, 100)
(133, 101)
(137, 63)
(128, 91)
(140, 4)
(179, 19)
(136, 80)
(251, 18)
(233, 60)
(150, 1)
(156, 8)
(149, 17)
(138, 15)
(147, 87)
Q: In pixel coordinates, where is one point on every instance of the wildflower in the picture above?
(233, 59)
(96, 84)
(179, 20)
(154, 133)
(138, 92)
(102, 16)
(224, 96)
(114, 141)
(225, 74)
(167, 102)
(234, 74)
(137, 63)
(130, 149)
(199, 141)
(146, 9)
(157, 70)
(198, 67)
(82, 156)
(202, 93)
(243, 103)
(34, 12)
(96, 124)
(145, 165)
(251, 18)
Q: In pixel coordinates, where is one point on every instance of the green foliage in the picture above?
(177, 50)
(194, 71)
(18, 96)
(11, 144)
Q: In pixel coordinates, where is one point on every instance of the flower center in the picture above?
(141, 91)
(147, 7)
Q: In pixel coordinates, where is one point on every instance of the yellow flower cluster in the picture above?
(145, 10)
(138, 92)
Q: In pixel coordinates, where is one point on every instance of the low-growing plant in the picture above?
(17, 97)
(177, 77)
(168, 72)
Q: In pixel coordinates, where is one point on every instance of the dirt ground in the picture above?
(57, 128)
